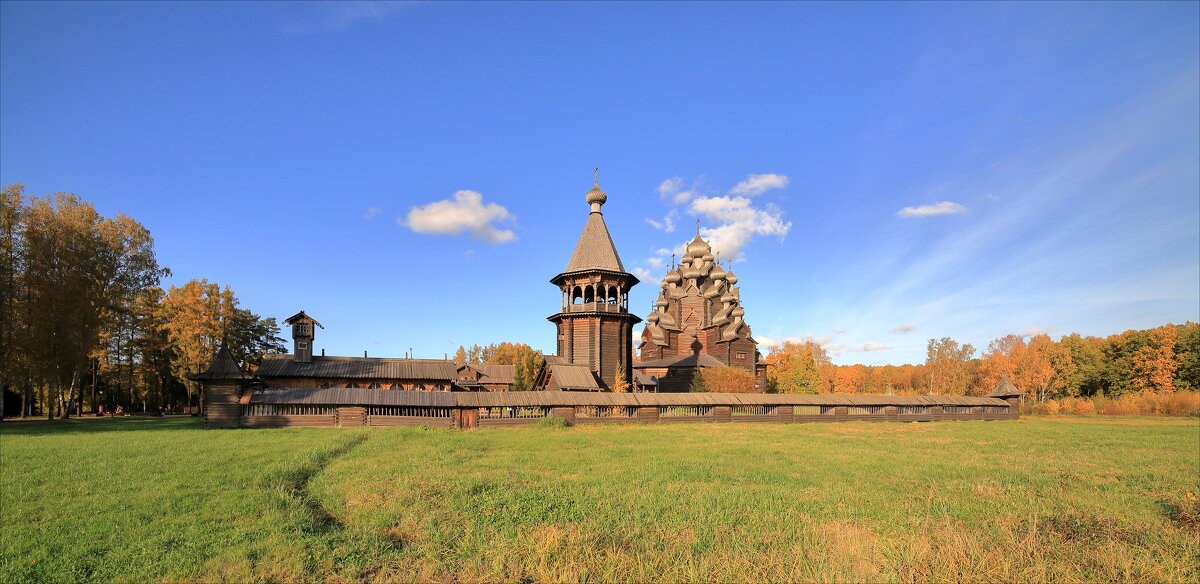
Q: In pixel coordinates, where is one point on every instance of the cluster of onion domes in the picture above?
(698, 274)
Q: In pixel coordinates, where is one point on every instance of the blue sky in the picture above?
(883, 173)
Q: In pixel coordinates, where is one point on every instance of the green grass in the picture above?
(1037, 500)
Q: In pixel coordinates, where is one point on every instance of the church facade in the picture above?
(697, 322)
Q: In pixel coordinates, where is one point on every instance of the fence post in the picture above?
(841, 413)
(891, 413)
(722, 413)
(785, 413)
(349, 417)
(648, 415)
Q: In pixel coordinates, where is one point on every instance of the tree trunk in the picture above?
(66, 401)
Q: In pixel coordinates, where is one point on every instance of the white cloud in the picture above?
(468, 253)
(643, 275)
(667, 224)
(757, 184)
(904, 328)
(871, 346)
(372, 212)
(655, 262)
(839, 330)
(823, 342)
(465, 212)
(672, 190)
(942, 208)
(1034, 331)
(738, 222)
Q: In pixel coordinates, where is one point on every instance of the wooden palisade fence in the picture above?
(233, 405)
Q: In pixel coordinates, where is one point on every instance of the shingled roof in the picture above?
(595, 250)
(223, 366)
(358, 368)
(693, 360)
(1005, 389)
(578, 377)
(384, 397)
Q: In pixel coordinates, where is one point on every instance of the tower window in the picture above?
(302, 345)
(741, 355)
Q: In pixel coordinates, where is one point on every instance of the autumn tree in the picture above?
(620, 384)
(793, 368)
(946, 362)
(727, 380)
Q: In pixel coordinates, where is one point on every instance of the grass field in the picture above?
(1035, 500)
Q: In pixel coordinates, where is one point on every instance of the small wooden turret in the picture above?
(303, 333)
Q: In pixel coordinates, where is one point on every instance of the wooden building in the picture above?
(594, 325)
(698, 313)
(303, 369)
(486, 377)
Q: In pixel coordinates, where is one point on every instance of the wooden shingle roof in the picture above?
(385, 397)
(693, 360)
(223, 366)
(358, 368)
(496, 373)
(1005, 389)
(572, 377)
(595, 250)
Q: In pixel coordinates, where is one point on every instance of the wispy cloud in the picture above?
(340, 16)
(768, 342)
(904, 328)
(672, 191)
(942, 208)
(839, 331)
(371, 213)
(1034, 331)
(465, 212)
(668, 222)
(757, 184)
(870, 346)
(643, 274)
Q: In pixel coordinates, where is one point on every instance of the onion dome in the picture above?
(738, 312)
(708, 257)
(691, 273)
(596, 195)
(731, 278)
(672, 277)
(698, 248)
(727, 298)
(661, 303)
(717, 273)
(653, 318)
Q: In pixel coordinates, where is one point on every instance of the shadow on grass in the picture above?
(89, 425)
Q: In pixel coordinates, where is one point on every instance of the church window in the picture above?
(577, 295)
(302, 345)
(741, 355)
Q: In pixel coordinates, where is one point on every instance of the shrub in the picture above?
(1175, 403)
(552, 422)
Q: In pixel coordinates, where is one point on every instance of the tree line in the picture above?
(527, 360)
(84, 322)
(1159, 360)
